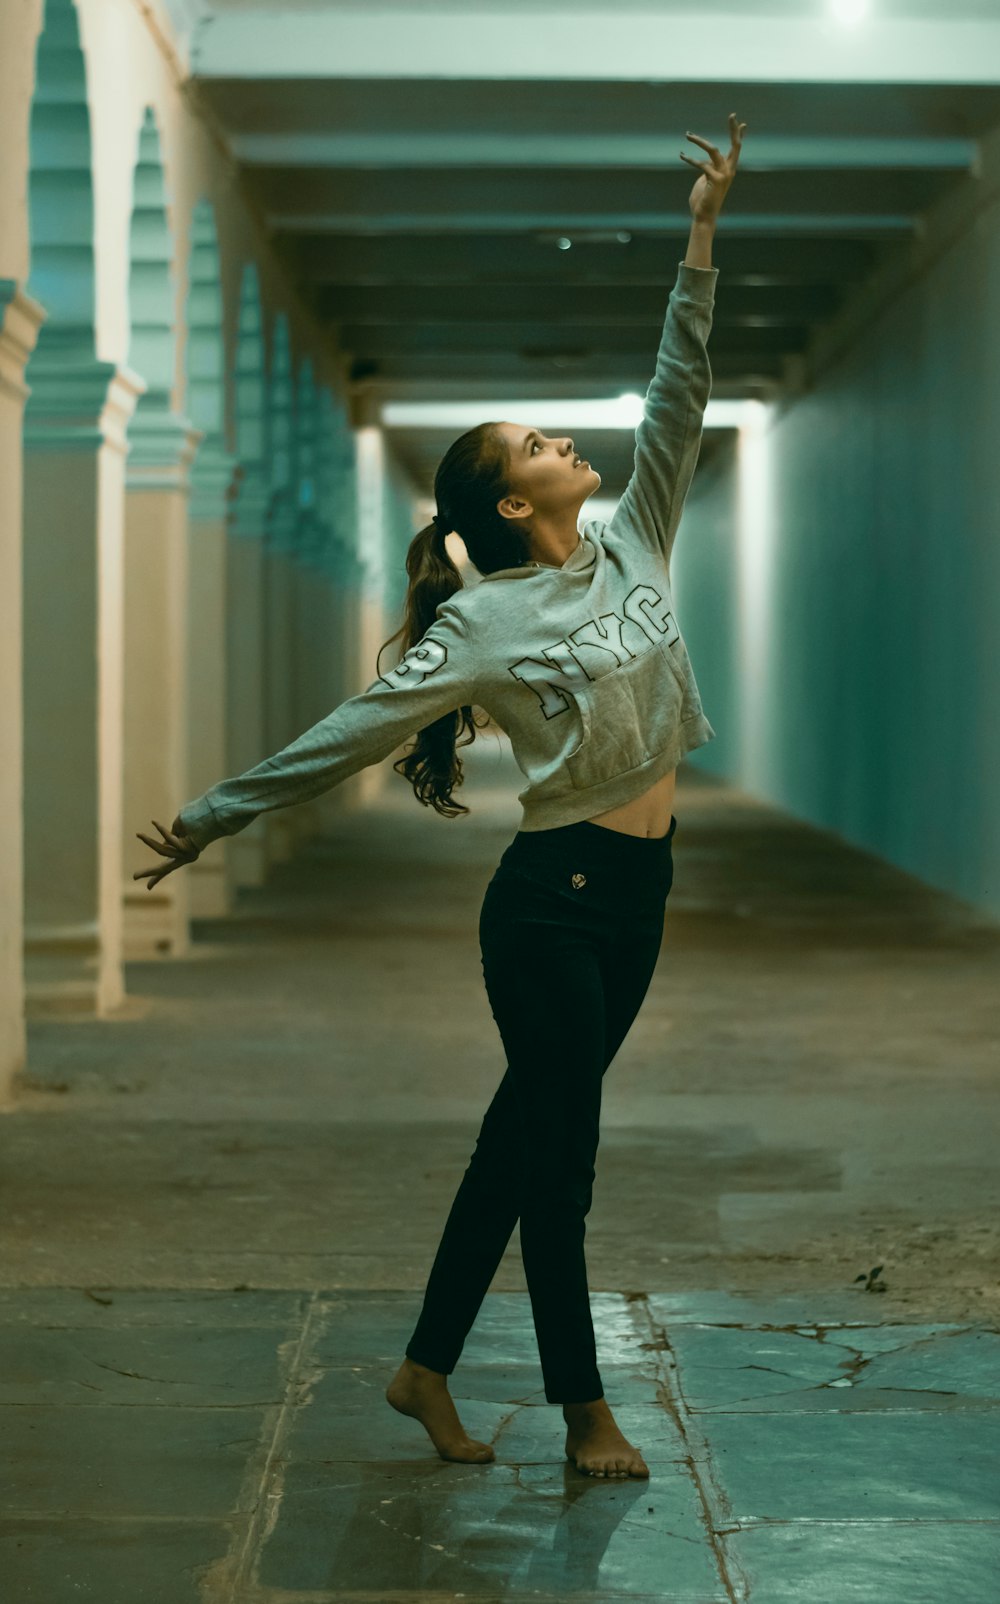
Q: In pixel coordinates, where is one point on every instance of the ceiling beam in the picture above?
(599, 46)
(872, 225)
(443, 340)
(551, 193)
(519, 149)
(594, 373)
(595, 257)
(580, 304)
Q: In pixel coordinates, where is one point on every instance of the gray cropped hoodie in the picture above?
(582, 665)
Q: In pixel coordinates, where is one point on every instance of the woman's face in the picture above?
(547, 478)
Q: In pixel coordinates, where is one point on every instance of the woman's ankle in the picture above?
(575, 1413)
(424, 1370)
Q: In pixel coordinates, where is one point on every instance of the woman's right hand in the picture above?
(176, 846)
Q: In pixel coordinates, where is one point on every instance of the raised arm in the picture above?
(668, 438)
(436, 676)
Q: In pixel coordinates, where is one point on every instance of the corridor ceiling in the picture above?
(486, 200)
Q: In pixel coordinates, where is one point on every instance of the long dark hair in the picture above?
(472, 477)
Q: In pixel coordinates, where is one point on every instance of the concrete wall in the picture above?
(837, 579)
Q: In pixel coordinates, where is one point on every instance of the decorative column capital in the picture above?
(21, 317)
(162, 447)
(212, 478)
(75, 401)
(282, 521)
(248, 520)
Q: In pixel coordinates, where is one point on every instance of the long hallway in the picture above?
(222, 1205)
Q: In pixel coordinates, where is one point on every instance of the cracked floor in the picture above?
(220, 1208)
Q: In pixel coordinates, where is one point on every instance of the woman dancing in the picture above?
(569, 641)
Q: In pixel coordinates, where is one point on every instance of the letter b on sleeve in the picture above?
(418, 664)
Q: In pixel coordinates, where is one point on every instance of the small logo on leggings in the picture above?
(578, 880)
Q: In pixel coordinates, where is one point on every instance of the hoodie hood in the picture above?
(582, 556)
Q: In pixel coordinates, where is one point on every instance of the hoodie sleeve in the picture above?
(434, 677)
(668, 439)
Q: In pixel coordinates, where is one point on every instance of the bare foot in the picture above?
(423, 1394)
(596, 1446)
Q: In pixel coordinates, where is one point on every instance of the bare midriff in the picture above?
(648, 814)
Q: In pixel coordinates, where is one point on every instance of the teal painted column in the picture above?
(212, 485)
(342, 562)
(311, 598)
(280, 580)
(76, 419)
(20, 320)
(246, 729)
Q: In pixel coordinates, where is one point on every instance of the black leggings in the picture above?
(570, 931)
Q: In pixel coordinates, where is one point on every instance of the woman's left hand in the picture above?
(176, 846)
(717, 175)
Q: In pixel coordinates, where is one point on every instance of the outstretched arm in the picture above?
(668, 439)
(435, 676)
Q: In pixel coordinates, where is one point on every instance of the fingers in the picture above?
(166, 834)
(155, 875)
(156, 845)
(705, 145)
(175, 847)
(736, 131)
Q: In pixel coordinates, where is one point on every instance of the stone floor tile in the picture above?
(861, 1562)
(140, 1365)
(62, 1561)
(950, 1362)
(823, 1306)
(719, 1366)
(835, 1368)
(122, 1461)
(103, 1307)
(870, 1465)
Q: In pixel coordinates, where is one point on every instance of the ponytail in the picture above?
(432, 766)
(471, 479)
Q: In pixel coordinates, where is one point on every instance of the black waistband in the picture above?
(602, 837)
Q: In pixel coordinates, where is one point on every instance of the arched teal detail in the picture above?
(205, 347)
(283, 515)
(151, 296)
(251, 411)
(251, 377)
(60, 181)
(310, 537)
(340, 474)
(211, 475)
(325, 477)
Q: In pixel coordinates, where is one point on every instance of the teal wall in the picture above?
(838, 583)
(704, 583)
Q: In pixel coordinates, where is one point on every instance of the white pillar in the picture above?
(161, 449)
(76, 419)
(370, 625)
(20, 319)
